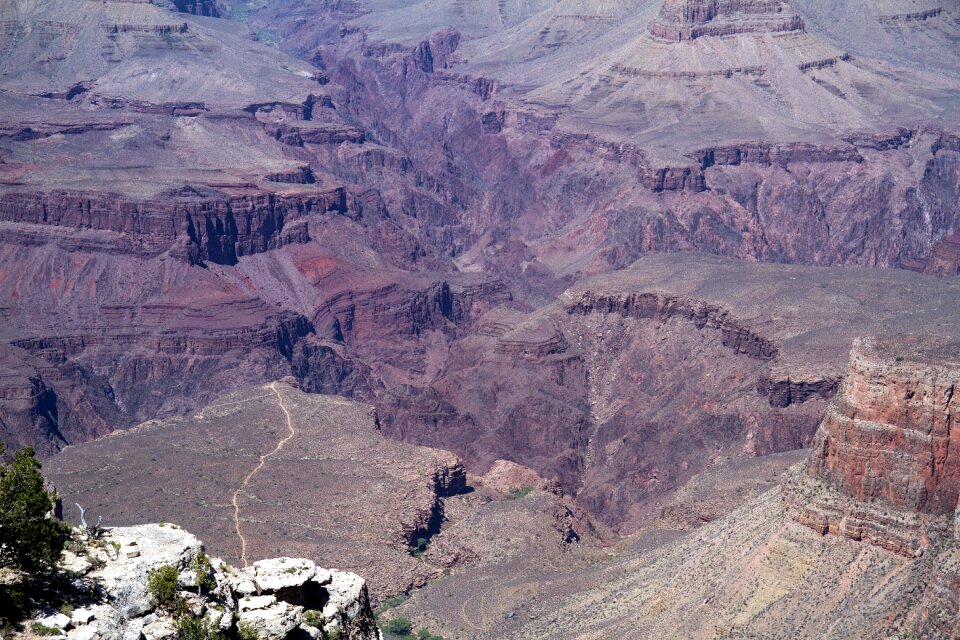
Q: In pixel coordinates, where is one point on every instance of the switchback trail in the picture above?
(246, 481)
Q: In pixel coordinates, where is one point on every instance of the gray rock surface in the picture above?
(269, 597)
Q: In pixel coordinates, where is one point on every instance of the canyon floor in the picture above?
(528, 308)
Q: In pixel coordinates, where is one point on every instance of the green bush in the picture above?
(520, 492)
(399, 626)
(424, 634)
(334, 634)
(162, 586)
(417, 548)
(204, 570)
(31, 539)
(44, 630)
(246, 632)
(313, 618)
(193, 627)
(390, 603)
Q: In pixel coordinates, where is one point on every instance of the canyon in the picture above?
(858, 540)
(502, 298)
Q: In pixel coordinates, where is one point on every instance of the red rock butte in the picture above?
(886, 455)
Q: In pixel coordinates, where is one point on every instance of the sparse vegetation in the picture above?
(193, 627)
(162, 586)
(96, 562)
(390, 603)
(425, 634)
(399, 626)
(44, 630)
(31, 540)
(246, 632)
(520, 492)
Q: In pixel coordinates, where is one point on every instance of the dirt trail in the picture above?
(246, 481)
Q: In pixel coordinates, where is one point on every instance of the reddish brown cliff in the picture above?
(885, 465)
(209, 227)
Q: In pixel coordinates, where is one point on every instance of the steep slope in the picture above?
(635, 380)
(769, 569)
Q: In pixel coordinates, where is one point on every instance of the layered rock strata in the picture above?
(681, 20)
(884, 465)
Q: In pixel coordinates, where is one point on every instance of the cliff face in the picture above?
(884, 464)
(690, 19)
(889, 433)
(218, 229)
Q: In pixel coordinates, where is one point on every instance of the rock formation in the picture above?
(690, 19)
(270, 597)
(883, 466)
(626, 386)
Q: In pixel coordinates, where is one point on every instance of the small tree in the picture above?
(204, 570)
(31, 539)
(162, 586)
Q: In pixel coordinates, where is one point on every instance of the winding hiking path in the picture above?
(263, 461)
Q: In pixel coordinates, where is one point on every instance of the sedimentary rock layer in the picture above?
(883, 464)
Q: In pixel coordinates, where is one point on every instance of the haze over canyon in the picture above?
(564, 318)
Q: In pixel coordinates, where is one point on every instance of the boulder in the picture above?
(273, 622)
(54, 620)
(283, 573)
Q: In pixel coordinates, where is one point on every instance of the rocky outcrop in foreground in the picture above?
(273, 599)
(884, 465)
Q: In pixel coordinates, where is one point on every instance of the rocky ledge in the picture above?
(271, 599)
(681, 20)
(884, 465)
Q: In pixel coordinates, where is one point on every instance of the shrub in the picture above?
(520, 492)
(44, 630)
(313, 618)
(399, 626)
(246, 632)
(193, 627)
(31, 539)
(15, 605)
(334, 634)
(418, 547)
(162, 586)
(390, 603)
(204, 570)
(424, 634)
